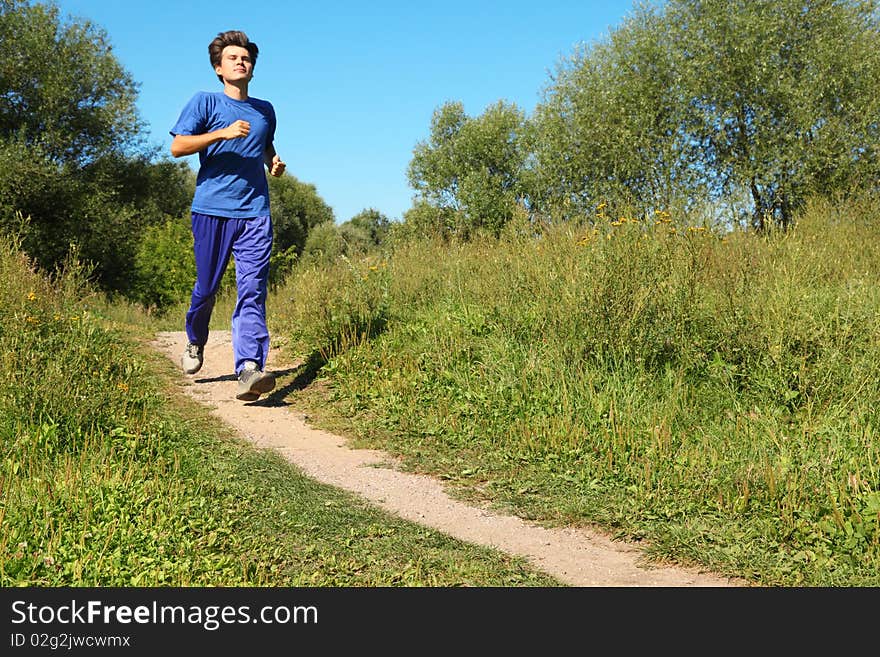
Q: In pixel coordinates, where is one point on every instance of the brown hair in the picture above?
(231, 38)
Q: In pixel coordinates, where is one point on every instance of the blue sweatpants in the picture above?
(249, 241)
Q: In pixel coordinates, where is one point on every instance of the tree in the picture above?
(424, 219)
(296, 209)
(73, 162)
(34, 187)
(372, 223)
(120, 199)
(607, 131)
(325, 243)
(768, 100)
(472, 166)
(62, 88)
(783, 95)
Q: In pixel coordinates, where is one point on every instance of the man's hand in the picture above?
(238, 129)
(277, 167)
(188, 144)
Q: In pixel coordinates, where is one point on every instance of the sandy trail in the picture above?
(577, 557)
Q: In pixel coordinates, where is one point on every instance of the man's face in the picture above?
(235, 64)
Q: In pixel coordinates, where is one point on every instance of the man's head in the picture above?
(235, 41)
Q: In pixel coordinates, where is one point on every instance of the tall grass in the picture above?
(106, 480)
(715, 393)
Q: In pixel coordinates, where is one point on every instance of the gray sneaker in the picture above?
(191, 360)
(253, 382)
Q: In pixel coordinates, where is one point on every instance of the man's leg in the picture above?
(212, 244)
(250, 335)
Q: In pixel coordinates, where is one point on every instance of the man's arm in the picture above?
(273, 161)
(189, 144)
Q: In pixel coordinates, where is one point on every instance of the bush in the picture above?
(102, 210)
(33, 187)
(324, 243)
(164, 265)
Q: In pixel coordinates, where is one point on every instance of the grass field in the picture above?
(107, 479)
(712, 393)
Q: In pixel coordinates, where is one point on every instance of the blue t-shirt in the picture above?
(232, 174)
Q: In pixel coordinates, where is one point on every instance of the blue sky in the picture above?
(354, 84)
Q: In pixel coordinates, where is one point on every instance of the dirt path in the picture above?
(575, 556)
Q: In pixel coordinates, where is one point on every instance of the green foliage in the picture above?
(472, 166)
(372, 223)
(296, 210)
(424, 219)
(327, 242)
(787, 108)
(164, 266)
(155, 189)
(324, 243)
(103, 483)
(100, 210)
(63, 88)
(755, 105)
(281, 263)
(356, 239)
(713, 393)
(121, 199)
(741, 109)
(333, 305)
(37, 189)
(70, 149)
(608, 128)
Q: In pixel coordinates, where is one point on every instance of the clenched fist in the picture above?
(277, 167)
(238, 129)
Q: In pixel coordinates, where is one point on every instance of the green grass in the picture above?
(713, 394)
(107, 479)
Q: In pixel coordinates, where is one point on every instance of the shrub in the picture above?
(164, 267)
(324, 243)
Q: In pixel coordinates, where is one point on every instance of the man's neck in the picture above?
(237, 91)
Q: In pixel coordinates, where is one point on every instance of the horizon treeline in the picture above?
(733, 113)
